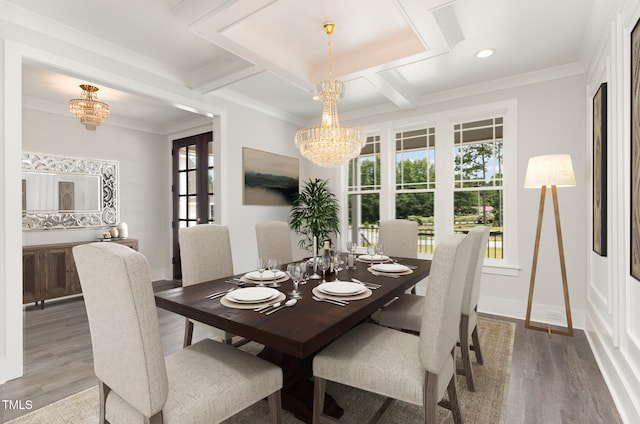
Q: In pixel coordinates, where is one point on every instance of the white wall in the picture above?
(612, 317)
(142, 163)
(248, 128)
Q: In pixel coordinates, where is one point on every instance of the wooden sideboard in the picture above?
(49, 271)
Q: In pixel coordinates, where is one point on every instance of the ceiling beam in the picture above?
(228, 79)
(394, 87)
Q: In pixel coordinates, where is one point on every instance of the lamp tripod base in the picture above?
(565, 287)
(548, 329)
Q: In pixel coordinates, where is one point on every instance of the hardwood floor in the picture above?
(553, 380)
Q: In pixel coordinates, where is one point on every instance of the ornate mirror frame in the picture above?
(108, 212)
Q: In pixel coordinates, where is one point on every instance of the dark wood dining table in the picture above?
(293, 335)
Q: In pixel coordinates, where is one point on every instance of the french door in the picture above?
(193, 182)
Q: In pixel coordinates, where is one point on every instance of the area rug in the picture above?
(486, 405)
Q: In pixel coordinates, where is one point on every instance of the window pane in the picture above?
(418, 207)
(182, 185)
(478, 194)
(415, 159)
(182, 208)
(192, 187)
(478, 154)
(191, 156)
(211, 180)
(211, 204)
(182, 158)
(192, 205)
(474, 207)
(364, 171)
(364, 214)
(210, 161)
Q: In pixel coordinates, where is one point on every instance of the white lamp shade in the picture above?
(550, 170)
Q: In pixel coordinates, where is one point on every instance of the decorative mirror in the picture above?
(59, 193)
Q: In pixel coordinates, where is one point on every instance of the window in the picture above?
(364, 186)
(478, 179)
(416, 181)
(446, 171)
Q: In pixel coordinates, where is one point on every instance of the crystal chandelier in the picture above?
(329, 144)
(88, 109)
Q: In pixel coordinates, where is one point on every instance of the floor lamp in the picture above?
(555, 171)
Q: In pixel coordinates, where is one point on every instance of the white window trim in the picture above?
(443, 122)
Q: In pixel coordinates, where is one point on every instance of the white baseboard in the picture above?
(518, 309)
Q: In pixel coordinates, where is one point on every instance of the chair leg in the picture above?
(476, 346)
(188, 333)
(155, 419)
(320, 387)
(430, 397)
(453, 401)
(104, 391)
(275, 407)
(466, 353)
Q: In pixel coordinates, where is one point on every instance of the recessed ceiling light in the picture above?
(485, 53)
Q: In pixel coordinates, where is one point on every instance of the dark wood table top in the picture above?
(300, 330)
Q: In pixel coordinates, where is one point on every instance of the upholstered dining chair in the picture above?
(406, 312)
(204, 383)
(413, 368)
(205, 254)
(399, 237)
(274, 241)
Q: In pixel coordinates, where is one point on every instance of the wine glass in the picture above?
(352, 247)
(325, 264)
(371, 251)
(380, 252)
(338, 261)
(261, 266)
(274, 267)
(296, 274)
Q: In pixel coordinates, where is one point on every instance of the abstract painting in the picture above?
(600, 171)
(269, 179)
(635, 152)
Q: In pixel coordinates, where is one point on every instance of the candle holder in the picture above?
(315, 275)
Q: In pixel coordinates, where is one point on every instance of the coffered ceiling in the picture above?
(391, 54)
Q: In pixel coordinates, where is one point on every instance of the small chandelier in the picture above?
(88, 109)
(330, 145)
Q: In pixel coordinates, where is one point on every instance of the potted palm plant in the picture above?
(314, 213)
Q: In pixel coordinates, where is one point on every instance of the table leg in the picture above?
(297, 386)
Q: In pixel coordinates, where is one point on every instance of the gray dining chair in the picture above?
(274, 241)
(417, 369)
(399, 237)
(406, 312)
(207, 382)
(205, 254)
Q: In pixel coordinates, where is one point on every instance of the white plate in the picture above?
(390, 268)
(253, 295)
(341, 288)
(266, 276)
(374, 258)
